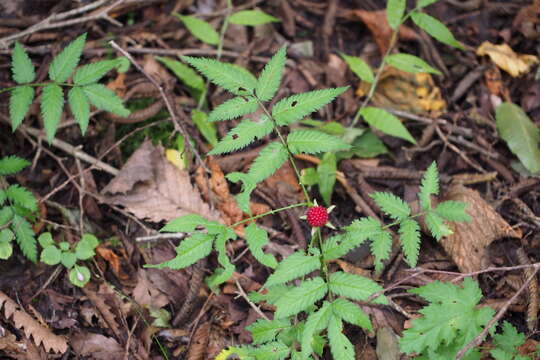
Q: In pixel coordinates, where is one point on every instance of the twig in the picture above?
(243, 294)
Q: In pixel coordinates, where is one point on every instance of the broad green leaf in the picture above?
(411, 64)
(79, 275)
(105, 99)
(296, 107)
(351, 313)
(80, 107)
(256, 238)
(355, 287)
(520, 133)
(429, 186)
(313, 142)
(19, 103)
(301, 297)
(200, 29)
(252, 18)
(92, 73)
(68, 259)
(52, 104)
(25, 237)
(367, 145)
(244, 134)
(423, 3)
(453, 211)
(309, 177)
(326, 172)
(359, 67)
(22, 197)
(269, 160)
(84, 249)
(392, 205)
(266, 330)
(222, 274)
(381, 245)
(316, 322)
(233, 78)
(64, 63)
(21, 65)
(409, 236)
(233, 108)
(435, 28)
(207, 129)
(340, 346)
(292, 267)
(186, 74)
(395, 9)
(387, 123)
(189, 252)
(186, 223)
(436, 225)
(11, 165)
(270, 78)
(51, 255)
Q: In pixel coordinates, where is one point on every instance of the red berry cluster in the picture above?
(317, 216)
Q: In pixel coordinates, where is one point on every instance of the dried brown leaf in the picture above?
(146, 293)
(199, 343)
(104, 310)
(97, 346)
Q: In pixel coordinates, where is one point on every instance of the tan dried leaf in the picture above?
(506, 59)
(199, 343)
(97, 346)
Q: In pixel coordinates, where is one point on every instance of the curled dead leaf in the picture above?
(506, 59)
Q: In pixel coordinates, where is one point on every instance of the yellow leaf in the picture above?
(175, 157)
(506, 59)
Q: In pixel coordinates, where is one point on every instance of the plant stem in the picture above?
(275, 211)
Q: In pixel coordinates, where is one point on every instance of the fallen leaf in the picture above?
(506, 59)
(97, 346)
(113, 260)
(146, 293)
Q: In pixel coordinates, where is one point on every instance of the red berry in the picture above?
(317, 216)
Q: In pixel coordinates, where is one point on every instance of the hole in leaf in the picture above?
(241, 89)
(235, 136)
(294, 103)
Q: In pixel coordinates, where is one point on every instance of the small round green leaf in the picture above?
(45, 239)
(68, 259)
(51, 255)
(79, 275)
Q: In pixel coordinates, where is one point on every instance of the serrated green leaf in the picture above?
(294, 108)
(392, 205)
(453, 211)
(292, 267)
(52, 104)
(79, 275)
(266, 330)
(326, 171)
(80, 107)
(190, 250)
(301, 297)
(351, 313)
(356, 234)
(200, 29)
(436, 225)
(423, 3)
(252, 18)
(11, 165)
(248, 185)
(273, 294)
(244, 134)
(25, 237)
(435, 28)
(395, 9)
(233, 78)
(22, 197)
(340, 346)
(411, 64)
(355, 287)
(222, 274)
(386, 122)
(64, 63)
(233, 108)
(186, 223)
(183, 72)
(207, 129)
(333, 248)
(359, 67)
(6, 214)
(316, 322)
(256, 238)
(21, 65)
(429, 186)
(409, 235)
(105, 99)
(272, 351)
(520, 133)
(270, 159)
(313, 142)
(19, 103)
(270, 78)
(381, 245)
(51, 255)
(509, 340)
(92, 73)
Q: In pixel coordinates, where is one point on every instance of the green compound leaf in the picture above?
(395, 9)
(429, 186)
(296, 107)
(52, 104)
(271, 158)
(351, 313)
(64, 63)
(79, 275)
(233, 108)
(22, 197)
(436, 225)
(25, 237)
(200, 29)
(507, 343)
(423, 3)
(316, 322)
(266, 330)
(244, 134)
(334, 247)
(183, 72)
(435, 28)
(356, 234)
(252, 18)
(272, 351)
(80, 107)
(520, 133)
(301, 297)
(222, 274)
(270, 78)
(410, 63)
(386, 122)
(10, 165)
(326, 173)
(190, 250)
(51, 255)
(105, 99)
(409, 235)
(19, 103)
(453, 211)
(92, 73)
(392, 205)
(294, 266)
(84, 249)
(233, 78)
(186, 223)
(207, 129)
(355, 287)
(256, 238)
(21, 65)
(248, 185)
(381, 245)
(340, 346)
(314, 141)
(359, 67)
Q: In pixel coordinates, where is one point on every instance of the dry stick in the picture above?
(243, 294)
(478, 339)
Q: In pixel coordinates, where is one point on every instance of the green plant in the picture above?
(83, 90)
(63, 253)
(507, 344)
(17, 206)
